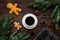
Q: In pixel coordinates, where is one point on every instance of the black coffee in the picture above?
(29, 21)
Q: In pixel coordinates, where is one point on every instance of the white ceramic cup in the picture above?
(29, 26)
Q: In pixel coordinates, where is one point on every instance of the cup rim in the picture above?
(29, 26)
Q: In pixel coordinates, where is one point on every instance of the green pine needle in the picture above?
(44, 4)
(19, 36)
(56, 17)
(5, 25)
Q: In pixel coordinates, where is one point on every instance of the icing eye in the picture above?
(29, 21)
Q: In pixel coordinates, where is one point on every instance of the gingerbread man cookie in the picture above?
(13, 8)
(17, 25)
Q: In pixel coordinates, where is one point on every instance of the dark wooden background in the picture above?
(43, 18)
